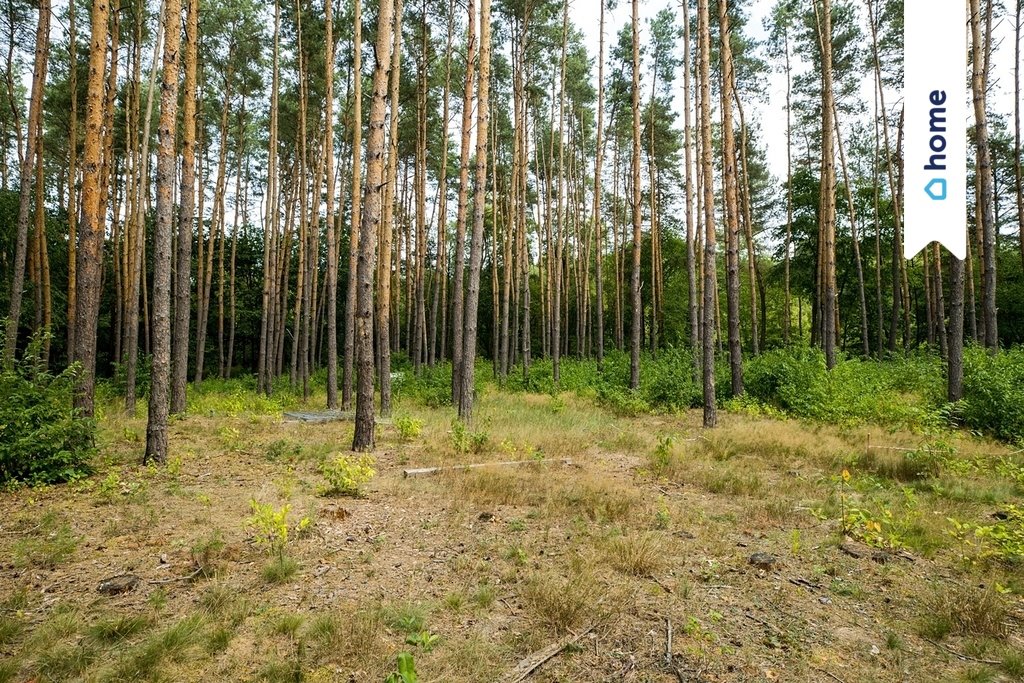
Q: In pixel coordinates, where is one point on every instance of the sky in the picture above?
(770, 114)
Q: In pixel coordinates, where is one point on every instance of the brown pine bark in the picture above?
(332, 252)
(439, 303)
(981, 40)
(827, 212)
(708, 202)
(156, 429)
(356, 221)
(730, 182)
(384, 310)
(91, 229)
(72, 175)
(138, 231)
(266, 364)
(458, 286)
(186, 215)
(638, 313)
(363, 438)
(476, 246)
(598, 222)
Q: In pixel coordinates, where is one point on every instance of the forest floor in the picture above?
(730, 540)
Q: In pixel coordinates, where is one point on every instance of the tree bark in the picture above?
(730, 182)
(91, 229)
(363, 438)
(638, 317)
(476, 247)
(25, 187)
(710, 237)
(356, 221)
(986, 198)
(458, 287)
(156, 428)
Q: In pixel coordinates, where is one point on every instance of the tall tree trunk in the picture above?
(384, 312)
(268, 329)
(156, 429)
(73, 176)
(439, 304)
(955, 372)
(638, 317)
(363, 438)
(458, 287)
(598, 222)
(91, 228)
(476, 246)
(986, 200)
(730, 182)
(710, 238)
(186, 215)
(356, 220)
(827, 212)
(25, 188)
(691, 237)
(332, 252)
(1018, 175)
(138, 223)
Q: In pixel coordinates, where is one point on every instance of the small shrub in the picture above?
(43, 439)
(270, 525)
(465, 441)
(408, 427)
(560, 603)
(346, 474)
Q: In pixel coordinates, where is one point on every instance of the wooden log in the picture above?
(431, 471)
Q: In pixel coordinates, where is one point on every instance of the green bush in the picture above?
(993, 399)
(43, 440)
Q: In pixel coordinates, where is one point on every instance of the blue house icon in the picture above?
(936, 189)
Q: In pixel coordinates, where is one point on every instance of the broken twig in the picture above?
(532, 662)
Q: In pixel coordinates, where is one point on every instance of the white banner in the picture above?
(935, 148)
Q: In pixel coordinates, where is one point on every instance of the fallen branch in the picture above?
(190, 577)
(960, 655)
(830, 675)
(532, 662)
(430, 471)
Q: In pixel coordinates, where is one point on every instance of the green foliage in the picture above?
(425, 640)
(465, 441)
(346, 474)
(405, 672)
(408, 427)
(43, 439)
(993, 398)
(898, 393)
(270, 525)
(1002, 541)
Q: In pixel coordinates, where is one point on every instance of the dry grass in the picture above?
(640, 555)
(561, 603)
(558, 547)
(964, 611)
